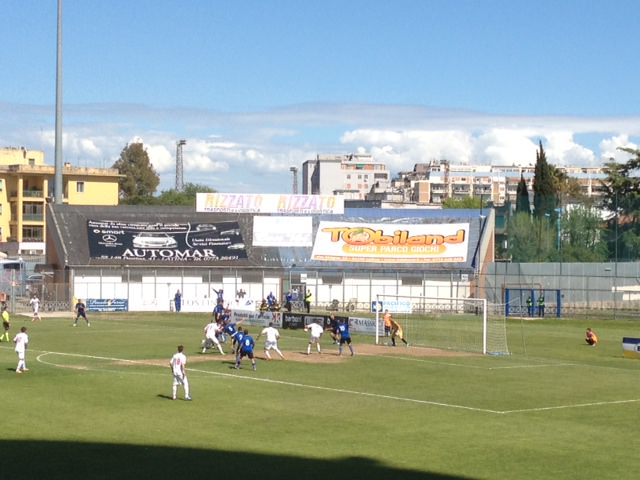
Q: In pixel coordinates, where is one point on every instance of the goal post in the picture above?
(448, 323)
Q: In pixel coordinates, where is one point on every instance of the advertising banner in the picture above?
(165, 242)
(282, 231)
(107, 304)
(391, 243)
(269, 203)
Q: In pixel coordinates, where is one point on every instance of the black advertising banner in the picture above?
(165, 242)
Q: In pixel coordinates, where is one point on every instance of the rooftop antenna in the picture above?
(179, 179)
(294, 171)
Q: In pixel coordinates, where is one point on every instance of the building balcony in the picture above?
(33, 194)
(33, 217)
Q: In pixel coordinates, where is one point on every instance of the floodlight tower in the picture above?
(294, 171)
(179, 179)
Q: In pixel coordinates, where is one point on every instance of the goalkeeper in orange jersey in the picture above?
(397, 332)
(591, 338)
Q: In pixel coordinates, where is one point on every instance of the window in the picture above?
(1, 185)
(32, 162)
(80, 187)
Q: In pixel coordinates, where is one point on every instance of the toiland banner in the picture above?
(269, 203)
(391, 243)
(165, 242)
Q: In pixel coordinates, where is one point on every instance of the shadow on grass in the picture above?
(66, 460)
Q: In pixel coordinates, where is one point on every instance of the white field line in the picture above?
(340, 390)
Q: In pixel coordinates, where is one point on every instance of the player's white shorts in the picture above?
(214, 339)
(270, 345)
(20, 355)
(314, 339)
(179, 380)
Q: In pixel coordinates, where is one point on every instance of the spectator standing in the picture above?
(541, 305)
(308, 297)
(177, 301)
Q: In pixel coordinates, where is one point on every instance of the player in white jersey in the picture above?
(177, 365)
(21, 340)
(316, 332)
(211, 332)
(35, 306)
(271, 342)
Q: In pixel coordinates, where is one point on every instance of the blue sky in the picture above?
(256, 87)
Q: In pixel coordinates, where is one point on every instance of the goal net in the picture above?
(460, 324)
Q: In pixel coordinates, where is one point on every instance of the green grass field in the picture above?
(96, 404)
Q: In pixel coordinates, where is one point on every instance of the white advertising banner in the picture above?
(391, 243)
(269, 203)
(282, 231)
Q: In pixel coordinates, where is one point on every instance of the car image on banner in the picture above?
(154, 240)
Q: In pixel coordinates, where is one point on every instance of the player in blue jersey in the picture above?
(218, 311)
(246, 349)
(230, 329)
(345, 336)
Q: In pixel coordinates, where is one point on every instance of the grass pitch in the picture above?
(96, 404)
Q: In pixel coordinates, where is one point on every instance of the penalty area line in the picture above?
(349, 392)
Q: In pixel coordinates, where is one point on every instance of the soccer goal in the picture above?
(460, 324)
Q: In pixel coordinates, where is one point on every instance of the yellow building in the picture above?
(26, 185)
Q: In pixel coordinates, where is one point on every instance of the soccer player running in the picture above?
(316, 331)
(21, 340)
(271, 343)
(397, 332)
(245, 349)
(177, 365)
(345, 336)
(81, 312)
(211, 332)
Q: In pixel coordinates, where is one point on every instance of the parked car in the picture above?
(154, 240)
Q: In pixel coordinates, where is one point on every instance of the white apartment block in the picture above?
(352, 176)
(431, 183)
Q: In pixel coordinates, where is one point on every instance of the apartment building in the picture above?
(431, 183)
(26, 185)
(352, 176)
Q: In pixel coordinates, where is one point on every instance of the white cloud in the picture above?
(254, 151)
(609, 148)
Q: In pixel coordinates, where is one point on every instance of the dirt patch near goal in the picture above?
(327, 355)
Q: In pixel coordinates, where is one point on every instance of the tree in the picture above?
(466, 202)
(140, 179)
(522, 244)
(522, 197)
(582, 236)
(622, 200)
(545, 198)
(186, 197)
